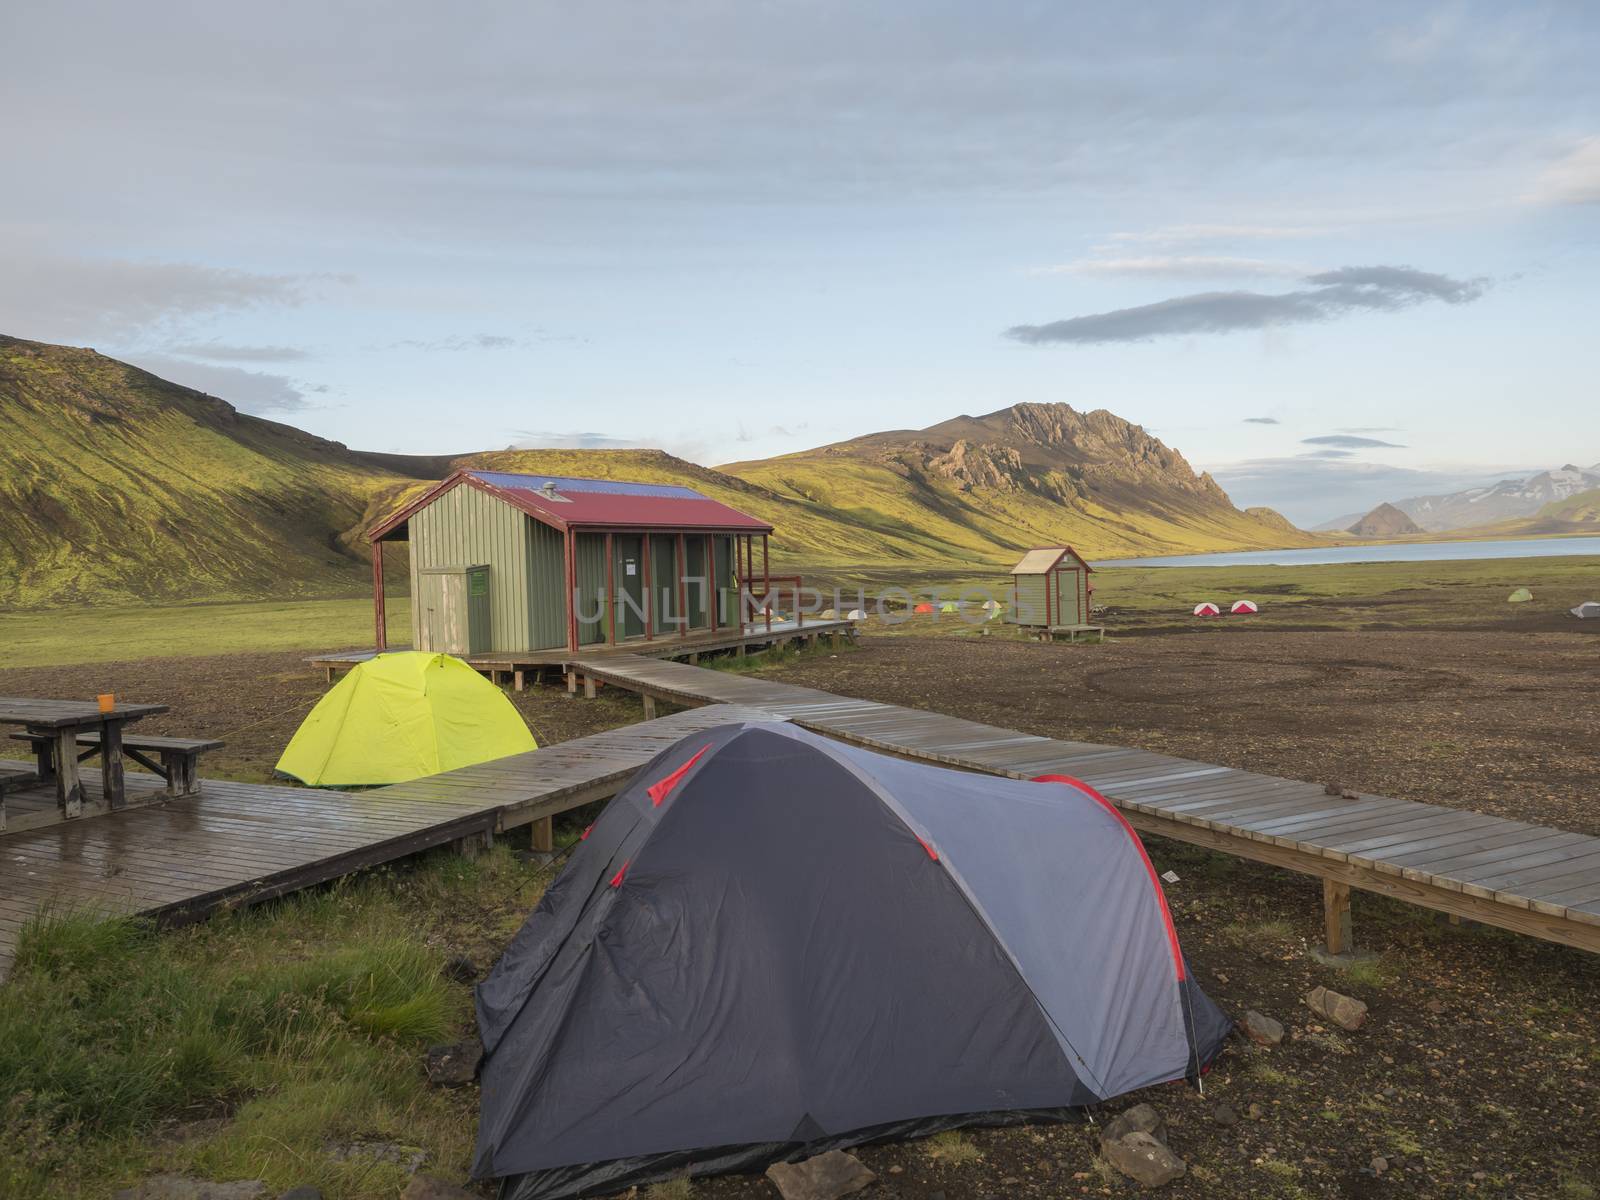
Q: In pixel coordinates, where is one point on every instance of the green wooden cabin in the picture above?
(1050, 589)
(504, 563)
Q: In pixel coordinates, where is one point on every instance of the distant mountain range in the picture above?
(119, 486)
(1540, 501)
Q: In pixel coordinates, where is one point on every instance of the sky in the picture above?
(1334, 254)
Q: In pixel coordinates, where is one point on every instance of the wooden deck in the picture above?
(1528, 878)
(239, 843)
(516, 666)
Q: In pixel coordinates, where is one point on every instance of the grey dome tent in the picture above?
(1587, 611)
(771, 944)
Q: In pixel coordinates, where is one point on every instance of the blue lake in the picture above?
(1407, 552)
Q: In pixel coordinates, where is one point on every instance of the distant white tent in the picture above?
(855, 614)
(1589, 610)
(828, 614)
(1207, 609)
(992, 606)
(1244, 608)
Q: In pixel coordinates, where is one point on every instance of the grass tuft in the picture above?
(301, 1022)
(952, 1147)
(670, 1189)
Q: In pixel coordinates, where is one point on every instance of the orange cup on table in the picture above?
(108, 702)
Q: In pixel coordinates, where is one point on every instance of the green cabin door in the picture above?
(1067, 609)
(628, 580)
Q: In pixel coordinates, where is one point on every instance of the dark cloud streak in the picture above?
(1348, 442)
(1332, 294)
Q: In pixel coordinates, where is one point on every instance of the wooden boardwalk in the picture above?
(1528, 878)
(239, 843)
(515, 666)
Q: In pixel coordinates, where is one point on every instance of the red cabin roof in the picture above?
(569, 503)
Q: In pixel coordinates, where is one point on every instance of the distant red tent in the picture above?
(923, 608)
(1207, 609)
(1244, 608)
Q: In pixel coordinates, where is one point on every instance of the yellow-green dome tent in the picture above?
(402, 716)
(1521, 596)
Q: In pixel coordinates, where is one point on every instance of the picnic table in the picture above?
(56, 725)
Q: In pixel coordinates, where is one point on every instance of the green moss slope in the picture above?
(118, 487)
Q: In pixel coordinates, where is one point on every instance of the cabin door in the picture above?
(1066, 599)
(443, 605)
(628, 580)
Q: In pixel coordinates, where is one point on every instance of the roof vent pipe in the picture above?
(549, 489)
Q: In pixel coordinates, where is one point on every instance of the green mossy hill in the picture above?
(119, 487)
(981, 489)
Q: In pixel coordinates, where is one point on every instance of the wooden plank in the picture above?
(240, 843)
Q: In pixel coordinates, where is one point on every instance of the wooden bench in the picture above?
(13, 781)
(178, 756)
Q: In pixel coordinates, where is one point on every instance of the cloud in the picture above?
(1347, 441)
(1171, 235)
(471, 341)
(1262, 421)
(1574, 179)
(71, 298)
(1178, 266)
(221, 352)
(248, 391)
(1332, 294)
(530, 439)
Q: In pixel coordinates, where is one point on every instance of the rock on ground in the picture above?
(1261, 1029)
(181, 1187)
(453, 1066)
(1143, 1159)
(1141, 1118)
(825, 1177)
(426, 1187)
(407, 1158)
(1344, 1011)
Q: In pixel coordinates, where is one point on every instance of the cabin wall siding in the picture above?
(1029, 606)
(466, 527)
(590, 549)
(527, 572)
(547, 599)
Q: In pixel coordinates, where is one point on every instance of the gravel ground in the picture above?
(1475, 1074)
